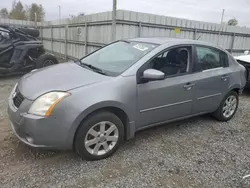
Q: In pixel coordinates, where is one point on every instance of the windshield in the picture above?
(117, 57)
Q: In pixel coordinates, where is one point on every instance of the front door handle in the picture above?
(225, 77)
(189, 86)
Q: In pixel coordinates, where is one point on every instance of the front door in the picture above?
(171, 98)
(164, 100)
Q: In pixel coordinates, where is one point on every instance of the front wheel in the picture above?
(99, 136)
(228, 107)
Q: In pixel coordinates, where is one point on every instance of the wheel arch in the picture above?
(236, 88)
(113, 107)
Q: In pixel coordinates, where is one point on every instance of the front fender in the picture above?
(118, 92)
(98, 106)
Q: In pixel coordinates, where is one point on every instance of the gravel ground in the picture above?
(199, 152)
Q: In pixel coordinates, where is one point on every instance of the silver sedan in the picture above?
(92, 105)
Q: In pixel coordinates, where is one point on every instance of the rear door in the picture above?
(212, 78)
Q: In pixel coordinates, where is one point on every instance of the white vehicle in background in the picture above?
(245, 61)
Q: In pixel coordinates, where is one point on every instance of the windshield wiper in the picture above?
(95, 69)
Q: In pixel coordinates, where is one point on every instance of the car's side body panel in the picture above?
(144, 104)
(163, 100)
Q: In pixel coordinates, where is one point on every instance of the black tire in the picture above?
(86, 125)
(45, 60)
(218, 114)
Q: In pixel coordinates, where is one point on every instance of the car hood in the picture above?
(61, 77)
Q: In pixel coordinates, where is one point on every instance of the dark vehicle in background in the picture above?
(21, 51)
(245, 61)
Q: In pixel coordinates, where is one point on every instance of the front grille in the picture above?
(18, 98)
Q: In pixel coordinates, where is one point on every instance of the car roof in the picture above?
(176, 41)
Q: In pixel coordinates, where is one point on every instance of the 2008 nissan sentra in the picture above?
(94, 104)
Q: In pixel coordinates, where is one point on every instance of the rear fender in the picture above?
(235, 87)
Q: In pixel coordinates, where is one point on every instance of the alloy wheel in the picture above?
(229, 106)
(101, 138)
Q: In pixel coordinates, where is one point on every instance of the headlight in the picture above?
(44, 105)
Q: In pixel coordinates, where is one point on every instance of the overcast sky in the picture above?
(203, 10)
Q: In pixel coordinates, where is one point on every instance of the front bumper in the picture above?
(37, 131)
(27, 140)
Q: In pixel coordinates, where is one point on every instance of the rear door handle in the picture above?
(189, 86)
(225, 77)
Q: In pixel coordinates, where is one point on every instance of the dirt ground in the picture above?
(199, 152)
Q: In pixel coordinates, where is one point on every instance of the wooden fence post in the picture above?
(86, 38)
(139, 34)
(195, 34)
(66, 44)
(51, 33)
(232, 43)
(41, 32)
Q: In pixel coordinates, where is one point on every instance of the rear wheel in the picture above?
(46, 60)
(99, 136)
(228, 107)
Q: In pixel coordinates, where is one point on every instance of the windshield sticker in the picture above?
(140, 47)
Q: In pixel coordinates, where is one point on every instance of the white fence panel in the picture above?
(70, 38)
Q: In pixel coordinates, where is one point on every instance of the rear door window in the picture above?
(210, 58)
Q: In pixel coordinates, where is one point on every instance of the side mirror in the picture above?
(153, 74)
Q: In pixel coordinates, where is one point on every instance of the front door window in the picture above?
(173, 62)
